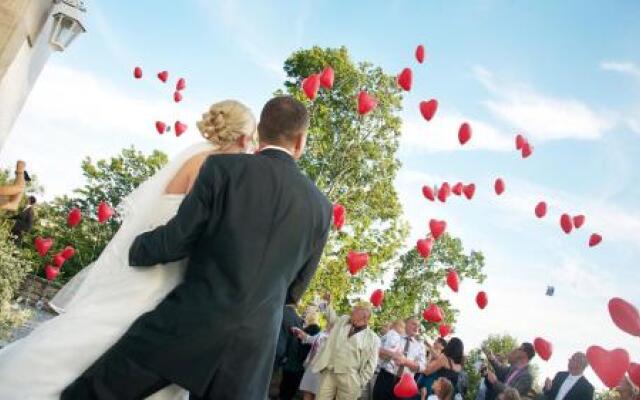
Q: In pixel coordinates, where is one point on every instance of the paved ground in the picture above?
(39, 316)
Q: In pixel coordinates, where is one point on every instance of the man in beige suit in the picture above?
(350, 355)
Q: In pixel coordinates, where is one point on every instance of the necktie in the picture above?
(404, 352)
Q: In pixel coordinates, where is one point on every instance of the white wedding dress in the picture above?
(100, 303)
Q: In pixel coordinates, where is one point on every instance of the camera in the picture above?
(483, 370)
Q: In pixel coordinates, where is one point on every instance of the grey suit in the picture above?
(522, 381)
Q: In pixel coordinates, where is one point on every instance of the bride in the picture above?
(97, 306)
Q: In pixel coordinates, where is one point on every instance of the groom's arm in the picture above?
(174, 241)
(302, 280)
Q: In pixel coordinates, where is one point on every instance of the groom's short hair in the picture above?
(282, 119)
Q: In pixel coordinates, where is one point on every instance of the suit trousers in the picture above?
(338, 387)
(114, 376)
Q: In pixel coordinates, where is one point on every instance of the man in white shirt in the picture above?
(400, 355)
(571, 384)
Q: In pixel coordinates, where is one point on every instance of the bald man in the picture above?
(571, 384)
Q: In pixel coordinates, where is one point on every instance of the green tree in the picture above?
(607, 395)
(418, 282)
(353, 161)
(107, 180)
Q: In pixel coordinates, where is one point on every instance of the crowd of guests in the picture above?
(348, 361)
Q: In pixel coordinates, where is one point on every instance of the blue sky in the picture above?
(567, 75)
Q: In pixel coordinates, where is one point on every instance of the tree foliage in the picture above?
(417, 283)
(353, 161)
(106, 180)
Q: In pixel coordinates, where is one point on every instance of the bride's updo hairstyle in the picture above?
(226, 122)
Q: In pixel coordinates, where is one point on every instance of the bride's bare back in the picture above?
(184, 179)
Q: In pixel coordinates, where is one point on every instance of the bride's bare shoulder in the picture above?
(186, 176)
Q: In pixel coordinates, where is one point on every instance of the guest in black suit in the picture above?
(24, 220)
(571, 384)
(253, 229)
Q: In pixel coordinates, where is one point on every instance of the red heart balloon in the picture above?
(469, 190)
(566, 223)
(610, 366)
(406, 387)
(405, 79)
(177, 97)
(541, 209)
(68, 252)
(311, 85)
(444, 330)
(51, 272)
(357, 261)
(625, 316)
(179, 128)
(464, 133)
(74, 217)
(181, 84)
(578, 221)
(339, 213)
(104, 212)
(457, 189)
(453, 281)
(594, 239)
(58, 260)
(519, 141)
(437, 228)
(43, 245)
(482, 300)
(444, 192)
(634, 373)
(499, 186)
(427, 192)
(161, 127)
(376, 297)
(366, 103)
(424, 247)
(137, 72)
(527, 149)
(327, 77)
(163, 76)
(543, 348)
(428, 108)
(433, 313)
(420, 53)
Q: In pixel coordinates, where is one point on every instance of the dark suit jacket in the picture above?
(254, 228)
(24, 222)
(522, 382)
(582, 390)
(290, 319)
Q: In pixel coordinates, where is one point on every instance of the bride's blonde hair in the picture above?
(225, 122)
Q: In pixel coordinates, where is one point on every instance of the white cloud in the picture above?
(249, 33)
(540, 116)
(72, 114)
(623, 67)
(441, 134)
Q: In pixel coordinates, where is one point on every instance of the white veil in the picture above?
(137, 210)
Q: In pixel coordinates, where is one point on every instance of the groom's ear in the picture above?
(301, 142)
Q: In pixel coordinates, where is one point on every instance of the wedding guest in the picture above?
(570, 384)
(11, 194)
(446, 365)
(385, 328)
(512, 394)
(349, 357)
(293, 368)
(627, 390)
(442, 389)
(24, 220)
(399, 355)
(517, 375)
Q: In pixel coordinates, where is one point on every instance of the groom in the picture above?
(253, 228)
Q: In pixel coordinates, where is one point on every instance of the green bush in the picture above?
(13, 270)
